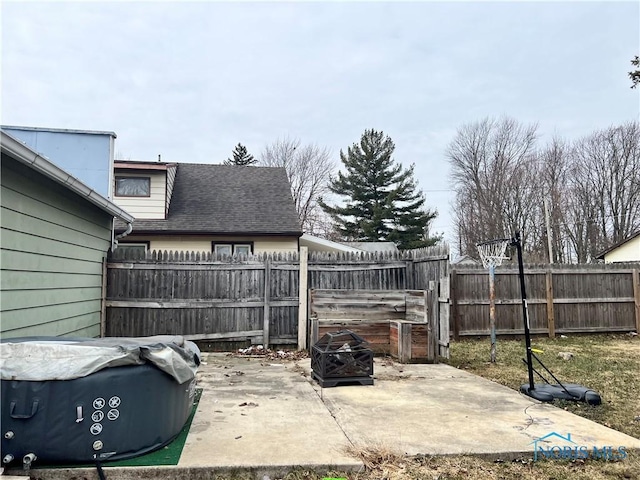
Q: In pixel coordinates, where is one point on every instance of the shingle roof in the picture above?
(227, 199)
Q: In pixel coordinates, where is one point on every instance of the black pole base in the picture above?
(548, 393)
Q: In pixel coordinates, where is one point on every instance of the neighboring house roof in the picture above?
(136, 165)
(19, 151)
(601, 255)
(464, 260)
(373, 246)
(59, 130)
(227, 200)
(317, 244)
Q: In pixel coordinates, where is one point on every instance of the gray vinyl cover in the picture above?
(40, 359)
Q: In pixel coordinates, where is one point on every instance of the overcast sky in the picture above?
(191, 80)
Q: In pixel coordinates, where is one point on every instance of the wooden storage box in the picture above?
(408, 341)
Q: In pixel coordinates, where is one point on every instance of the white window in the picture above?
(223, 249)
(130, 247)
(133, 186)
(244, 248)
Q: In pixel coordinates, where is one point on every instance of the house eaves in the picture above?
(322, 244)
(23, 154)
(59, 130)
(135, 165)
(601, 255)
(203, 232)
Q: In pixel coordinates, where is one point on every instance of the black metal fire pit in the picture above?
(342, 358)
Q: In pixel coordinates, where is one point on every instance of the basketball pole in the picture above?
(492, 311)
(492, 253)
(517, 242)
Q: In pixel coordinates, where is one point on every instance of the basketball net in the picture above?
(492, 252)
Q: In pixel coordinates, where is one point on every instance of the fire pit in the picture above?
(342, 358)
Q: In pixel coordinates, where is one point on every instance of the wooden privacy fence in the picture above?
(256, 298)
(560, 298)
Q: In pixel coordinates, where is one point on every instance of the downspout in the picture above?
(129, 229)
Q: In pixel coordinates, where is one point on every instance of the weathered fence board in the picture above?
(561, 299)
(209, 296)
(212, 297)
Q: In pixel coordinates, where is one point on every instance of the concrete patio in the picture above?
(267, 417)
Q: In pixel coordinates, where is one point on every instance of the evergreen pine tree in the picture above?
(240, 157)
(382, 201)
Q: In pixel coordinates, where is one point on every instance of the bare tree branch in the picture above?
(492, 164)
(309, 168)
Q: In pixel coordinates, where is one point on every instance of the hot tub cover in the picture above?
(59, 358)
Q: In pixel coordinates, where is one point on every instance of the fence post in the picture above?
(267, 306)
(103, 300)
(302, 299)
(550, 314)
(636, 295)
(444, 316)
(431, 310)
(453, 295)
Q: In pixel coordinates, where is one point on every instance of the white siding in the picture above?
(627, 252)
(152, 207)
(203, 243)
(276, 244)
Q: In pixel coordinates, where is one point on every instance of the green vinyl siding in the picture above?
(36, 281)
(50, 316)
(52, 244)
(41, 228)
(81, 326)
(38, 262)
(28, 243)
(21, 299)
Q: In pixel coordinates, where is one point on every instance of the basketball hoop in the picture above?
(492, 252)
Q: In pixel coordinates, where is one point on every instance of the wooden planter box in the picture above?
(408, 341)
(392, 322)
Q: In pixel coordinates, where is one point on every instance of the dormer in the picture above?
(144, 189)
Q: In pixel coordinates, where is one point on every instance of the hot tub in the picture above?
(93, 400)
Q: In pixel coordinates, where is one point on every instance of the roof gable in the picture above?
(228, 199)
(601, 255)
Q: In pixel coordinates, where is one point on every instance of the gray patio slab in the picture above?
(441, 410)
(255, 413)
(267, 417)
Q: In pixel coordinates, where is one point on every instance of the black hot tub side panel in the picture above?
(113, 414)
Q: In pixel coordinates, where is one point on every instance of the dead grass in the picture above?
(384, 463)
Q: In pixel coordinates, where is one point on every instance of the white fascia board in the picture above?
(58, 130)
(20, 152)
(310, 240)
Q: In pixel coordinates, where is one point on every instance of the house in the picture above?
(85, 154)
(318, 244)
(373, 246)
(55, 232)
(224, 209)
(464, 260)
(627, 250)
